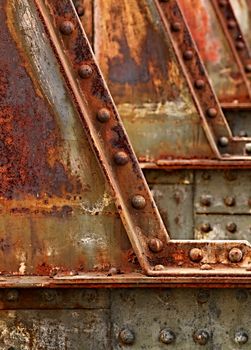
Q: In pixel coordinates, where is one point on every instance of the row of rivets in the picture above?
(200, 84)
(206, 201)
(103, 116)
(232, 24)
(167, 336)
(206, 227)
(235, 255)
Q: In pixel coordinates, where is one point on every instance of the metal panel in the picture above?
(223, 192)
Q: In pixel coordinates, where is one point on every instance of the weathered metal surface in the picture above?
(224, 70)
(145, 320)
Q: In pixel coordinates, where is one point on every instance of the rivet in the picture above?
(235, 255)
(166, 336)
(12, 295)
(85, 71)
(203, 296)
(241, 337)
(103, 115)
(113, 271)
(199, 84)
(205, 200)
(205, 227)
(223, 141)
(212, 112)
(231, 227)
(66, 27)
(229, 201)
(206, 267)
(176, 26)
(80, 10)
(121, 158)
(138, 202)
(159, 267)
(155, 245)
(248, 147)
(243, 133)
(188, 55)
(196, 254)
(240, 45)
(231, 23)
(126, 336)
(201, 337)
(248, 68)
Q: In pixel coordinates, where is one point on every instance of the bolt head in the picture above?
(235, 255)
(66, 27)
(103, 115)
(241, 337)
(155, 245)
(231, 227)
(138, 202)
(85, 71)
(205, 227)
(201, 337)
(196, 254)
(223, 141)
(121, 158)
(212, 112)
(199, 84)
(248, 148)
(188, 55)
(176, 27)
(229, 201)
(126, 336)
(167, 336)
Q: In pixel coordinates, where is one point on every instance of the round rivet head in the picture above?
(103, 115)
(159, 268)
(205, 227)
(126, 336)
(240, 45)
(80, 10)
(121, 158)
(248, 148)
(155, 245)
(231, 23)
(167, 336)
(241, 337)
(201, 337)
(12, 295)
(196, 254)
(231, 227)
(176, 26)
(235, 255)
(243, 133)
(229, 201)
(138, 202)
(66, 27)
(199, 84)
(223, 141)
(248, 68)
(212, 112)
(85, 71)
(205, 200)
(188, 55)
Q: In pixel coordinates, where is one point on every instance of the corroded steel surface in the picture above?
(224, 71)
